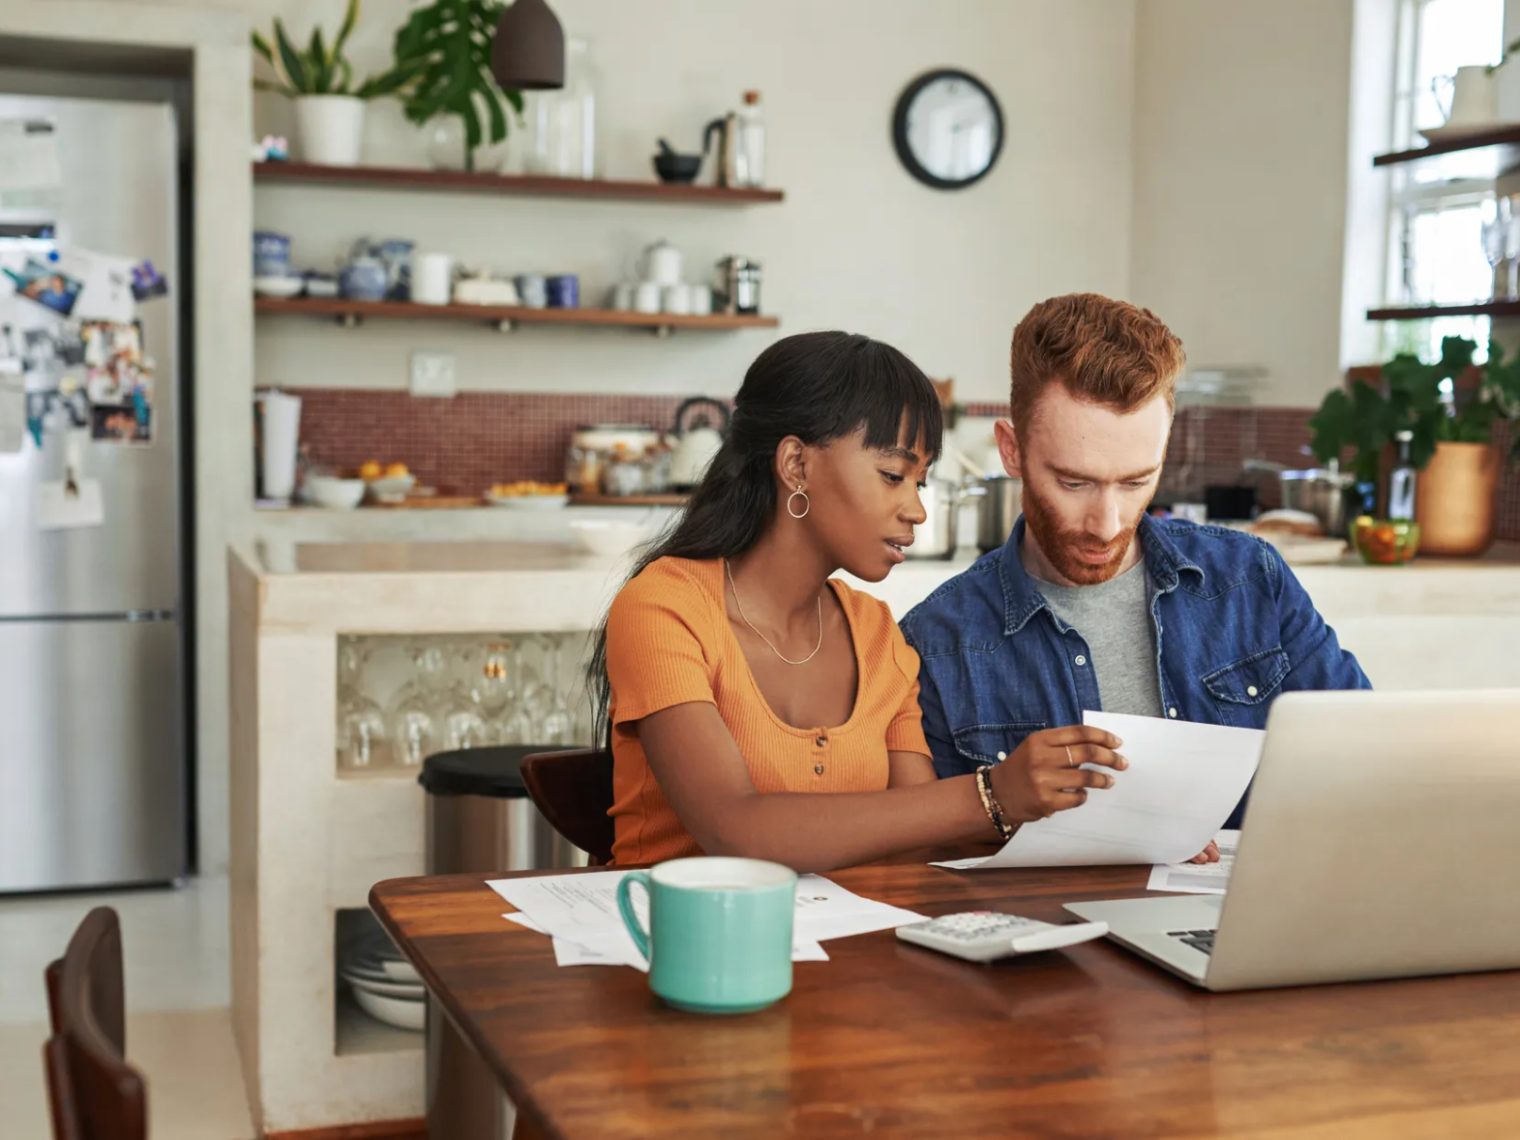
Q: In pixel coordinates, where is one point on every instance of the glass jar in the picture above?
(623, 473)
(562, 124)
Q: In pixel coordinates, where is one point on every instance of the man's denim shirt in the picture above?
(1233, 629)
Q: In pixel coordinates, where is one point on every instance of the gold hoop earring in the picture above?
(807, 504)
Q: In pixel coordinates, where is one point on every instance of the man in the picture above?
(1091, 603)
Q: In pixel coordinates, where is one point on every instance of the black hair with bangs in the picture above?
(819, 387)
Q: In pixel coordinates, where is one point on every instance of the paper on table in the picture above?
(1198, 878)
(582, 910)
(1182, 782)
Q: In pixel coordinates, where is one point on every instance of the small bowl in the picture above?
(677, 167)
(400, 1012)
(606, 538)
(392, 488)
(278, 286)
(528, 502)
(1385, 542)
(335, 494)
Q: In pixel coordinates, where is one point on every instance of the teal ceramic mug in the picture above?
(720, 931)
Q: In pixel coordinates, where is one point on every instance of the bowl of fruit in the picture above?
(528, 495)
(1385, 542)
(387, 482)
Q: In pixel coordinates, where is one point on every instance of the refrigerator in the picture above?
(95, 775)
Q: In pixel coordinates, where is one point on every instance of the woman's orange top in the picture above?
(669, 643)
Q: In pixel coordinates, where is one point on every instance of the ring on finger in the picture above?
(1070, 760)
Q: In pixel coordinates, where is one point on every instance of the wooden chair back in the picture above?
(573, 790)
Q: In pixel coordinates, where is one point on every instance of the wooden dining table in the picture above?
(887, 1039)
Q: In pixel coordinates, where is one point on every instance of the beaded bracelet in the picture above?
(990, 804)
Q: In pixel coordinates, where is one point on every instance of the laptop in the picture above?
(1382, 840)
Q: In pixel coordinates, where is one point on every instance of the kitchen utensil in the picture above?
(278, 286)
(646, 297)
(432, 280)
(392, 488)
(533, 289)
(739, 282)
(320, 284)
(662, 263)
(721, 138)
(1002, 503)
(943, 499)
(485, 291)
(271, 254)
(564, 291)
(1468, 98)
(590, 446)
(528, 502)
(396, 255)
(698, 443)
(676, 299)
(279, 435)
(673, 167)
(400, 1012)
(363, 278)
(622, 296)
(335, 494)
(701, 300)
(1321, 492)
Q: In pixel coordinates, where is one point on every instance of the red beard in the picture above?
(1073, 554)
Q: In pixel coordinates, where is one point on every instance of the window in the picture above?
(1435, 222)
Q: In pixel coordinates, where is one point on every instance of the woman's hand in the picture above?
(1044, 775)
(1209, 854)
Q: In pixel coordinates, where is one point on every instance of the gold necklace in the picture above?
(742, 617)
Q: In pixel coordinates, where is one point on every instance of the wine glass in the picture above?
(460, 721)
(362, 736)
(414, 725)
(552, 713)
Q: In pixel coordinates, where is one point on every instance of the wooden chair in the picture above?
(573, 790)
(93, 1092)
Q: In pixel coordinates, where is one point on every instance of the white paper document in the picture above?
(1198, 878)
(62, 507)
(1182, 782)
(580, 913)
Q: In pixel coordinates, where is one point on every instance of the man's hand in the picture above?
(1209, 854)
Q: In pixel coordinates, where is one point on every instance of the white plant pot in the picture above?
(331, 128)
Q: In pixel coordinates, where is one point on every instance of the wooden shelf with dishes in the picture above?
(504, 317)
(525, 185)
(1471, 154)
(1498, 309)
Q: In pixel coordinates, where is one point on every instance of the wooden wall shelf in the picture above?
(409, 178)
(350, 313)
(1483, 155)
(1425, 312)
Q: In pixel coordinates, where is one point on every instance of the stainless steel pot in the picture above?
(1002, 503)
(935, 536)
(1321, 493)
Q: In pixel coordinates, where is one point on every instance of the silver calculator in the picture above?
(984, 935)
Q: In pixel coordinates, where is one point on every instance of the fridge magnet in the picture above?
(106, 292)
(113, 360)
(122, 423)
(47, 285)
(147, 282)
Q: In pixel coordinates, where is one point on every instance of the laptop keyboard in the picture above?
(1197, 939)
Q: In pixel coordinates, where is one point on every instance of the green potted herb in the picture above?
(1452, 428)
(445, 47)
(320, 80)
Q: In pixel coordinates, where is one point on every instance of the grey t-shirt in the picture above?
(1114, 619)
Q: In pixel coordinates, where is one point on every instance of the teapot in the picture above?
(697, 445)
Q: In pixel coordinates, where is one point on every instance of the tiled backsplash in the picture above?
(464, 444)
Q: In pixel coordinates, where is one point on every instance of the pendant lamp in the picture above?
(529, 50)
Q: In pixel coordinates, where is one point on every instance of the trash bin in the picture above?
(479, 819)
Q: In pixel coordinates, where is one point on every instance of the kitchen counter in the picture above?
(308, 840)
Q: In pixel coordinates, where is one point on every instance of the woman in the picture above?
(737, 679)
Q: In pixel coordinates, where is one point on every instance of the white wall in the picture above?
(858, 244)
(1240, 142)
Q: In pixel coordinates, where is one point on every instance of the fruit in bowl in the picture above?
(528, 494)
(1385, 542)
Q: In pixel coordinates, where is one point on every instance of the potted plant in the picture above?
(445, 50)
(320, 79)
(1450, 406)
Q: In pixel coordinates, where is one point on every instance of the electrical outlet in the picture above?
(433, 374)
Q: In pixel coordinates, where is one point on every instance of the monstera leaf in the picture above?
(445, 50)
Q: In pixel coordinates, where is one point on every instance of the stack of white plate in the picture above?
(384, 983)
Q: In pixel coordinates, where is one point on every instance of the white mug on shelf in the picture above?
(676, 299)
(701, 300)
(646, 297)
(622, 296)
(432, 278)
(662, 263)
(1470, 98)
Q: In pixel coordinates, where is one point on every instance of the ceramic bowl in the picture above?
(278, 286)
(528, 502)
(400, 1012)
(606, 538)
(335, 494)
(392, 488)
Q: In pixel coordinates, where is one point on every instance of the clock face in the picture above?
(948, 129)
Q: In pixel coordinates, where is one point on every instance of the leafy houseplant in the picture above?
(445, 51)
(319, 77)
(1445, 419)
